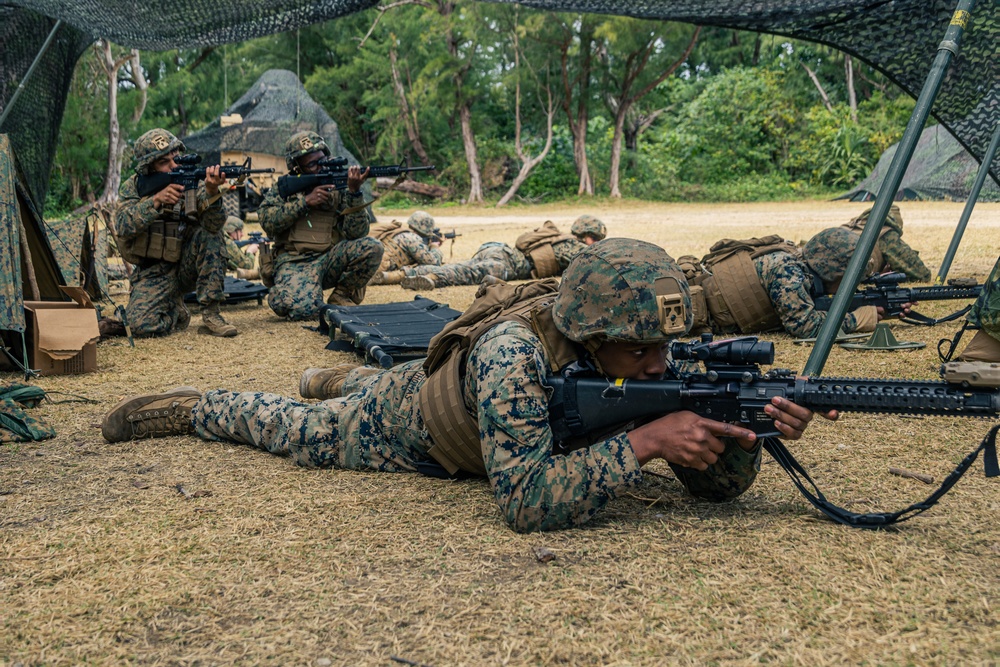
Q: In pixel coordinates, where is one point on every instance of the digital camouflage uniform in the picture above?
(157, 287)
(410, 245)
(495, 259)
(985, 312)
(299, 279)
(787, 280)
(235, 257)
(896, 253)
(378, 425)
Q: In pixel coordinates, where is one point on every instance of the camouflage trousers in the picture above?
(985, 312)
(376, 426)
(155, 296)
(299, 280)
(492, 259)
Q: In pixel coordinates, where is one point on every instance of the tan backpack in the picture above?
(537, 245)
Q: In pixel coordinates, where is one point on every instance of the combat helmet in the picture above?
(422, 223)
(828, 253)
(153, 145)
(303, 143)
(232, 224)
(589, 225)
(622, 290)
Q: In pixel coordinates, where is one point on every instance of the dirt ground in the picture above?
(104, 561)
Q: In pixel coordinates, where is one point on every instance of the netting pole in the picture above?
(890, 185)
(31, 70)
(970, 203)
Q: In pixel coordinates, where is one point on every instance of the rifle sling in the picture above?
(876, 520)
(916, 318)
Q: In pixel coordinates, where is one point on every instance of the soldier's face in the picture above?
(309, 163)
(166, 163)
(633, 361)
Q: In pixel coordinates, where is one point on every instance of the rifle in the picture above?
(333, 171)
(188, 174)
(884, 290)
(252, 238)
(732, 388)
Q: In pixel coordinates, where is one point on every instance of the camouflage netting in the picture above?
(898, 37)
(940, 169)
(274, 108)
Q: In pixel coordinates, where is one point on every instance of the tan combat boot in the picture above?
(424, 282)
(324, 383)
(387, 278)
(183, 316)
(248, 274)
(151, 416)
(213, 322)
(341, 296)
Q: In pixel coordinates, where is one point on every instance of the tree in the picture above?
(527, 161)
(630, 48)
(116, 142)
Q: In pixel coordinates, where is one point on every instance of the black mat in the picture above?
(387, 333)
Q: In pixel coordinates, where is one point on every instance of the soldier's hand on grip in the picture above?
(686, 439)
(168, 196)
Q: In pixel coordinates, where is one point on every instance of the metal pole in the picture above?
(970, 203)
(31, 70)
(887, 191)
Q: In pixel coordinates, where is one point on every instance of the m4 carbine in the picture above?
(252, 238)
(884, 291)
(732, 388)
(333, 172)
(188, 174)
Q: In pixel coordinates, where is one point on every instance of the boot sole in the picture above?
(418, 283)
(224, 334)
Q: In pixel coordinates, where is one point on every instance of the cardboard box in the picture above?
(62, 337)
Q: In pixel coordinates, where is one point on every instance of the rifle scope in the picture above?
(333, 163)
(188, 160)
(732, 351)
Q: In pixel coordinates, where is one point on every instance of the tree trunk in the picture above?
(471, 158)
(409, 118)
(578, 123)
(616, 152)
(819, 87)
(852, 97)
(113, 174)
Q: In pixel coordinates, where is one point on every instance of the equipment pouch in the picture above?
(699, 307)
(172, 242)
(722, 318)
(315, 233)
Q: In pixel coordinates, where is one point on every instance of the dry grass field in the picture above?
(104, 561)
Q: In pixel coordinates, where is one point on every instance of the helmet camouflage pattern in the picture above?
(303, 143)
(589, 225)
(828, 253)
(893, 220)
(232, 224)
(153, 145)
(422, 223)
(623, 290)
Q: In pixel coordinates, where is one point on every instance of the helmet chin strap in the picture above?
(592, 345)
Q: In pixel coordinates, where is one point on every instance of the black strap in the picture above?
(916, 318)
(952, 343)
(876, 520)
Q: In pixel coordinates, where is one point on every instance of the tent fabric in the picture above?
(940, 169)
(18, 216)
(898, 37)
(274, 108)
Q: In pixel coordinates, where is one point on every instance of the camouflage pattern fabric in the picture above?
(299, 280)
(498, 260)
(787, 281)
(901, 257)
(492, 259)
(157, 288)
(413, 247)
(985, 312)
(588, 225)
(380, 427)
(236, 258)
